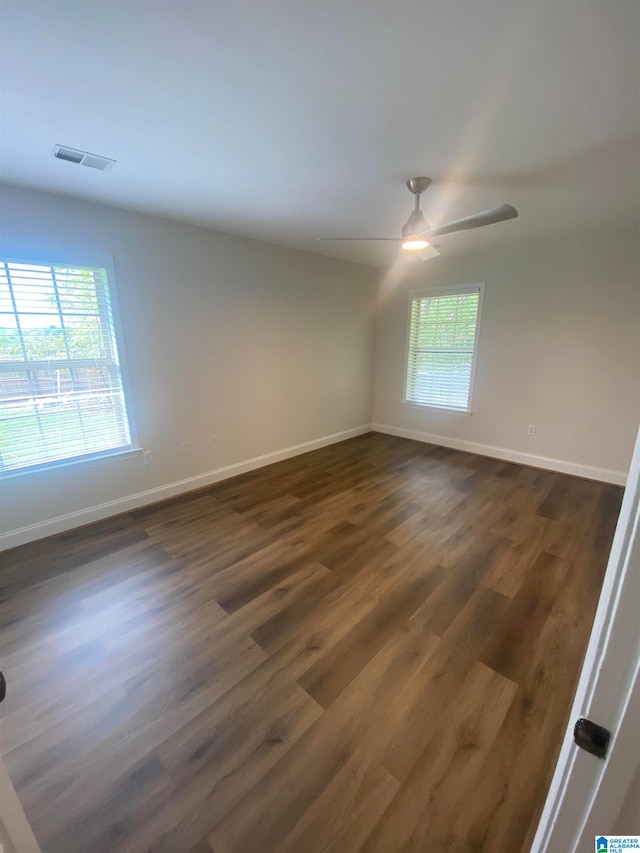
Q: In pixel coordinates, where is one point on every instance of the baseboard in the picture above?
(32, 532)
(577, 469)
(14, 538)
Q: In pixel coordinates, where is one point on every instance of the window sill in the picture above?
(75, 463)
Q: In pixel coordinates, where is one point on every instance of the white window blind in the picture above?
(61, 393)
(442, 344)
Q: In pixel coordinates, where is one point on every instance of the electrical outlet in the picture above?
(185, 448)
(531, 429)
(147, 457)
(215, 441)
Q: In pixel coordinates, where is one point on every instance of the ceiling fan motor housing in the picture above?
(415, 224)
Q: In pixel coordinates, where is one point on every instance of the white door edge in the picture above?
(15, 831)
(608, 691)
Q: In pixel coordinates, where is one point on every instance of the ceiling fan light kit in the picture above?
(416, 225)
(417, 232)
(414, 244)
(413, 230)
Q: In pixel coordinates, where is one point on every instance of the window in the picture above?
(61, 391)
(443, 336)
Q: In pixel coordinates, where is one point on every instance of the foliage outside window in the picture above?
(443, 330)
(61, 391)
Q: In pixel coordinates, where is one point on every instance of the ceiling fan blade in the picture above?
(426, 254)
(353, 239)
(476, 220)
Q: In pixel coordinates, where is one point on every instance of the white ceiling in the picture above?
(290, 120)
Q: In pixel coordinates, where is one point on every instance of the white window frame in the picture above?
(53, 257)
(453, 290)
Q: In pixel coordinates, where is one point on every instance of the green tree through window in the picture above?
(61, 393)
(441, 349)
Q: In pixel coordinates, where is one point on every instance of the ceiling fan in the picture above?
(417, 233)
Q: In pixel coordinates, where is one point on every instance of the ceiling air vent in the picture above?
(83, 158)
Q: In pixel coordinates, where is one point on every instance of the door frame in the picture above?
(15, 831)
(586, 792)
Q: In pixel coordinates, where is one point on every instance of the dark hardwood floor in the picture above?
(372, 647)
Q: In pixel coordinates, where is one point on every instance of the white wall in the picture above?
(559, 348)
(271, 348)
(266, 347)
(628, 821)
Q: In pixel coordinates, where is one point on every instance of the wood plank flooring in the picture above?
(371, 647)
